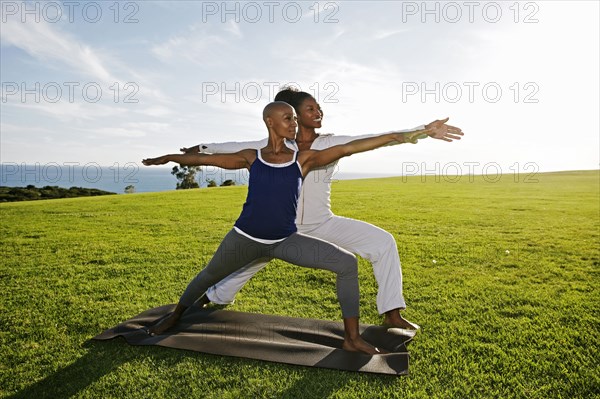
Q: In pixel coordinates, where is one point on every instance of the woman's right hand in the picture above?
(156, 161)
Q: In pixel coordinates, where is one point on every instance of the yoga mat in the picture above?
(305, 342)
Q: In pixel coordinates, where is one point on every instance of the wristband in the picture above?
(413, 137)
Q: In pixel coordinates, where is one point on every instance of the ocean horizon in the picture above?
(117, 178)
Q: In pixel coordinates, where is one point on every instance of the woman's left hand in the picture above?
(441, 131)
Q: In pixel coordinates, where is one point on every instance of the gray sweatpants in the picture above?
(236, 251)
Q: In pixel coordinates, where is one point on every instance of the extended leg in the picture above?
(234, 252)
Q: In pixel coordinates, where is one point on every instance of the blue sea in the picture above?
(117, 177)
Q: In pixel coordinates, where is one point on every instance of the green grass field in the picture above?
(495, 324)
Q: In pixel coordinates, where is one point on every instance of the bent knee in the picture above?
(382, 244)
(387, 239)
(378, 237)
(348, 265)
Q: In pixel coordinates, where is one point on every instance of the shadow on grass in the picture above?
(99, 360)
(325, 383)
(102, 358)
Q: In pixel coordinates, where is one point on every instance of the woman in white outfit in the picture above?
(315, 218)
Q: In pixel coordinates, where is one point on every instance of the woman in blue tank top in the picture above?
(266, 228)
(270, 208)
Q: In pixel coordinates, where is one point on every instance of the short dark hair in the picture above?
(292, 96)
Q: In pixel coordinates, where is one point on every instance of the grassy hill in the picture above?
(509, 308)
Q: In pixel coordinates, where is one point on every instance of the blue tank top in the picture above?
(269, 212)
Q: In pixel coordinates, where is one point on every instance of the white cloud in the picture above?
(233, 28)
(114, 132)
(201, 45)
(157, 111)
(384, 34)
(365, 58)
(46, 42)
(65, 111)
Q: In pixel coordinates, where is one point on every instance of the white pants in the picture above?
(370, 242)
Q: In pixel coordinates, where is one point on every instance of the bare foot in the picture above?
(399, 322)
(360, 345)
(166, 322)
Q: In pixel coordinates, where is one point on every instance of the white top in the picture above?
(314, 204)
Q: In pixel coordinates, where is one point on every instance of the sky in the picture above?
(111, 83)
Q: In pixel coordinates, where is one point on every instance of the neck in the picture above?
(306, 134)
(276, 144)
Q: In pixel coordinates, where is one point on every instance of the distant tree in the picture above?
(9, 194)
(49, 192)
(130, 189)
(211, 183)
(24, 193)
(186, 176)
(228, 183)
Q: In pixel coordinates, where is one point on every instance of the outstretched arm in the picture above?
(410, 135)
(224, 148)
(313, 159)
(343, 139)
(438, 129)
(230, 147)
(239, 160)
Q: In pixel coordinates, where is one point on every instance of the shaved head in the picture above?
(276, 106)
